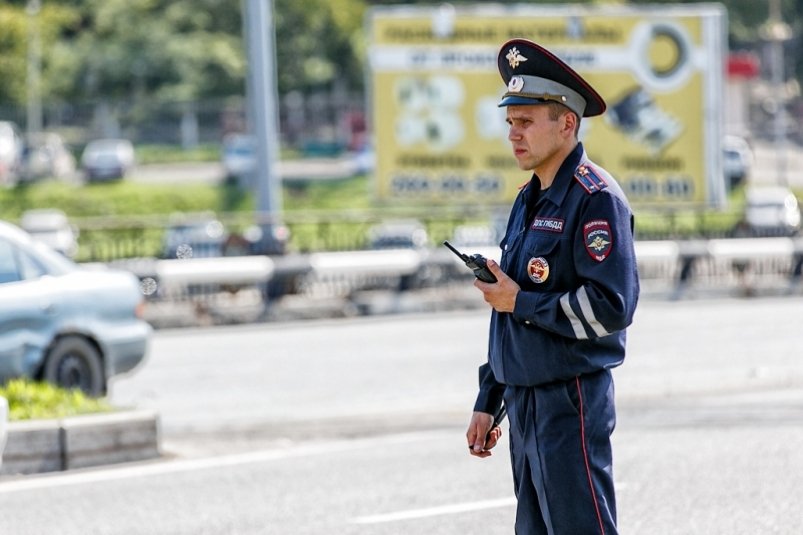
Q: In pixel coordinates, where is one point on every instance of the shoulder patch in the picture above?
(598, 239)
(590, 179)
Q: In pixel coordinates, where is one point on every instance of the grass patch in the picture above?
(147, 154)
(28, 400)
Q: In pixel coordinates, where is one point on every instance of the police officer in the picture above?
(567, 289)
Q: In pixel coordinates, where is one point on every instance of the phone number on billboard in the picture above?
(644, 188)
(453, 184)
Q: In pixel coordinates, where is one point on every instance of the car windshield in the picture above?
(30, 260)
(55, 262)
(104, 146)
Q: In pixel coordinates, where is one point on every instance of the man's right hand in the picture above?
(478, 429)
(501, 295)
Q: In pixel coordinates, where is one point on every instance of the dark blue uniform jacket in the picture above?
(574, 261)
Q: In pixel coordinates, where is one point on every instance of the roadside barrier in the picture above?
(675, 267)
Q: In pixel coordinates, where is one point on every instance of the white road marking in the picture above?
(451, 509)
(156, 468)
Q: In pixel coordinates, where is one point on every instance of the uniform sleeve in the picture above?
(605, 299)
(490, 395)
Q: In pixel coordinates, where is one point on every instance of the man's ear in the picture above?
(569, 123)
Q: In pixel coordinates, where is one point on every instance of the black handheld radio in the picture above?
(498, 417)
(476, 263)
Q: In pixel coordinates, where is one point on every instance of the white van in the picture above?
(771, 211)
(11, 147)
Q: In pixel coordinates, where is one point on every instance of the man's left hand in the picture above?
(501, 295)
(482, 434)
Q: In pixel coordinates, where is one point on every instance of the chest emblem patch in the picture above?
(538, 269)
(598, 239)
(549, 224)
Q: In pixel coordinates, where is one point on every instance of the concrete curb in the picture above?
(39, 446)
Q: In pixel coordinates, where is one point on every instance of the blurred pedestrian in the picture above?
(567, 289)
(741, 266)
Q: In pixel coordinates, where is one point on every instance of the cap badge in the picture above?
(538, 269)
(514, 57)
(516, 84)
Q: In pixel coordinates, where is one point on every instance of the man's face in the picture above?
(536, 139)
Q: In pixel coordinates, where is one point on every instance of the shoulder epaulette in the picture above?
(590, 178)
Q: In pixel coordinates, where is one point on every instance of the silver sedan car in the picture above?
(59, 322)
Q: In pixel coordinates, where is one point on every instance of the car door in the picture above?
(28, 306)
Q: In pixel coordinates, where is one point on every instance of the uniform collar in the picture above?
(560, 186)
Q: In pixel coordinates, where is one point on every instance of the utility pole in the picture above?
(262, 107)
(33, 117)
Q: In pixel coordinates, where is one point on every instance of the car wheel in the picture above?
(73, 362)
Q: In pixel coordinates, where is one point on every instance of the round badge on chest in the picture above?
(538, 269)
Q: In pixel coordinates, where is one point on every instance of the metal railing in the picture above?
(251, 288)
(110, 239)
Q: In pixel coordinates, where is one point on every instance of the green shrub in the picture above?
(120, 199)
(29, 400)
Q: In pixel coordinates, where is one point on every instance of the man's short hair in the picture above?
(556, 109)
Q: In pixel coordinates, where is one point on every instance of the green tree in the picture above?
(12, 54)
(318, 42)
(176, 50)
(185, 50)
(18, 26)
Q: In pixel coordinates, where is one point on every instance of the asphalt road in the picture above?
(214, 172)
(356, 427)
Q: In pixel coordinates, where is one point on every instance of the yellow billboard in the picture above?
(440, 136)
